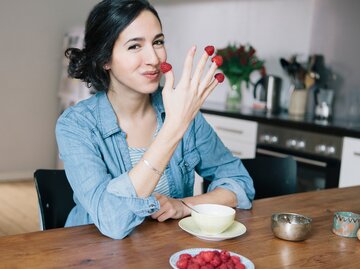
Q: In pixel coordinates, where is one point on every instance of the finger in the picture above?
(166, 215)
(159, 214)
(199, 69)
(208, 77)
(166, 68)
(186, 75)
(216, 81)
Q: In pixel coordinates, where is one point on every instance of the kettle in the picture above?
(267, 91)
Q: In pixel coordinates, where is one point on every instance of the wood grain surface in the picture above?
(152, 243)
(18, 207)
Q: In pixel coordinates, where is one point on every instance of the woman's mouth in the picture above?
(151, 75)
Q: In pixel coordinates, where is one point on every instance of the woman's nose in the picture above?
(151, 56)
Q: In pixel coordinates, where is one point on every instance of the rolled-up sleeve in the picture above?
(220, 167)
(111, 202)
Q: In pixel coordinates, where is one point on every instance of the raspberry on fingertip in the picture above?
(219, 77)
(218, 60)
(165, 67)
(209, 50)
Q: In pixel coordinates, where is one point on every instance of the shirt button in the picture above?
(186, 164)
(152, 206)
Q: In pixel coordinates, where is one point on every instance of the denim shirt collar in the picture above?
(107, 117)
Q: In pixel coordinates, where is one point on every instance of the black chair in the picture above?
(55, 197)
(272, 176)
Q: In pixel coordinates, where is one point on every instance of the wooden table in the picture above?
(152, 243)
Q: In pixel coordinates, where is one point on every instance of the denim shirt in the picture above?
(96, 159)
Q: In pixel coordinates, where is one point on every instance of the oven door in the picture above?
(313, 173)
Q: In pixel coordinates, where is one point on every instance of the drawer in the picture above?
(350, 163)
(240, 149)
(238, 129)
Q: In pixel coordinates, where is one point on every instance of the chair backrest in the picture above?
(272, 176)
(55, 197)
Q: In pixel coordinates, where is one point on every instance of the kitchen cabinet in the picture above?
(238, 135)
(350, 163)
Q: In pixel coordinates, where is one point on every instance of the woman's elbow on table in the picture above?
(119, 228)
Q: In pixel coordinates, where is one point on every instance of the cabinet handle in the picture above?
(357, 154)
(230, 130)
(238, 153)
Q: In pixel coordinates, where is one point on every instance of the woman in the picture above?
(130, 151)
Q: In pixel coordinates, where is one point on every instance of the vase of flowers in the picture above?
(239, 61)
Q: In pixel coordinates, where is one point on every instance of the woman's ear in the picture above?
(107, 66)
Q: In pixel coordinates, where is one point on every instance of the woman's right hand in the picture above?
(183, 102)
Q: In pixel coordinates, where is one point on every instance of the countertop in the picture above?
(334, 126)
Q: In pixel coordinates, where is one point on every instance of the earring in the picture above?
(106, 67)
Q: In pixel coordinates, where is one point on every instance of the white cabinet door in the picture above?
(239, 136)
(350, 163)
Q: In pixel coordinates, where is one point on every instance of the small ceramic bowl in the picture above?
(213, 219)
(291, 226)
(346, 224)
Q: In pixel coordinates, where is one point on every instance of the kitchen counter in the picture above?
(337, 127)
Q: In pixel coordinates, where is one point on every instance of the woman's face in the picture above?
(137, 55)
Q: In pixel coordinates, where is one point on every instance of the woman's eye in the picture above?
(133, 47)
(159, 42)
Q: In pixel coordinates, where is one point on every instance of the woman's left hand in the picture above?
(169, 208)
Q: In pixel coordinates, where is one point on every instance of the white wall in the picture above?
(276, 28)
(31, 34)
(336, 35)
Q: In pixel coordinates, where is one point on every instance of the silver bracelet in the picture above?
(152, 167)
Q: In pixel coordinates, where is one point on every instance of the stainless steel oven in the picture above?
(318, 156)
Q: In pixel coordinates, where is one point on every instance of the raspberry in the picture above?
(220, 77)
(194, 266)
(216, 261)
(182, 263)
(225, 255)
(235, 259)
(210, 50)
(185, 256)
(165, 67)
(207, 255)
(199, 260)
(218, 60)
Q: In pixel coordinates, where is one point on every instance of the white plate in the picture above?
(236, 229)
(193, 251)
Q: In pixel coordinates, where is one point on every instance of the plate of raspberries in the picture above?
(209, 258)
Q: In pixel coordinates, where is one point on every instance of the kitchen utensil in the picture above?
(267, 90)
(190, 207)
(297, 104)
(291, 226)
(295, 71)
(323, 109)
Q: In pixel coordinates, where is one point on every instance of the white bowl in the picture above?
(213, 219)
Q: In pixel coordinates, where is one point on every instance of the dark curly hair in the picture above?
(103, 26)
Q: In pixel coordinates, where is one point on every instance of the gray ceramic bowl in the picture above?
(291, 226)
